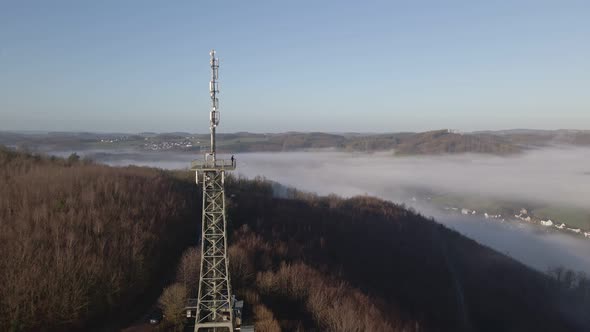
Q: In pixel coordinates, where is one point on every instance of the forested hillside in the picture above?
(80, 241)
(414, 270)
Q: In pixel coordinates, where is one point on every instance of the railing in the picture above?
(210, 164)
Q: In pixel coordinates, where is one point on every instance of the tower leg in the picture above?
(214, 304)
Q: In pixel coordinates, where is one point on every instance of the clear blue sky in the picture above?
(295, 65)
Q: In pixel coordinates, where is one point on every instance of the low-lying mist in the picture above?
(554, 176)
(550, 176)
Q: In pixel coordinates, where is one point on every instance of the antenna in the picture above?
(214, 90)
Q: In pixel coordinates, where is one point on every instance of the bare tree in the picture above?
(173, 301)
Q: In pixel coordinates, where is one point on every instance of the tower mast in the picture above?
(214, 308)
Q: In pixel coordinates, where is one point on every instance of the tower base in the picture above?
(214, 327)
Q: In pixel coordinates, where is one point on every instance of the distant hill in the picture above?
(405, 143)
(434, 142)
(535, 138)
(444, 141)
(573, 137)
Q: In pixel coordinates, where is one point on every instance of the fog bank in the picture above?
(552, 176)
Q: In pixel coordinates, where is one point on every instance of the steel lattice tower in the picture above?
(214, 311)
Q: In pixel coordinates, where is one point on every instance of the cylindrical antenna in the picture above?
(214, 90)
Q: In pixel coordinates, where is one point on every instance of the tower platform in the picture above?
(210, 164)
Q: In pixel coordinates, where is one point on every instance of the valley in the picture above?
(435, 187)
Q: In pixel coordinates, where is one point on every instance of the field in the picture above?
(573, 217)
